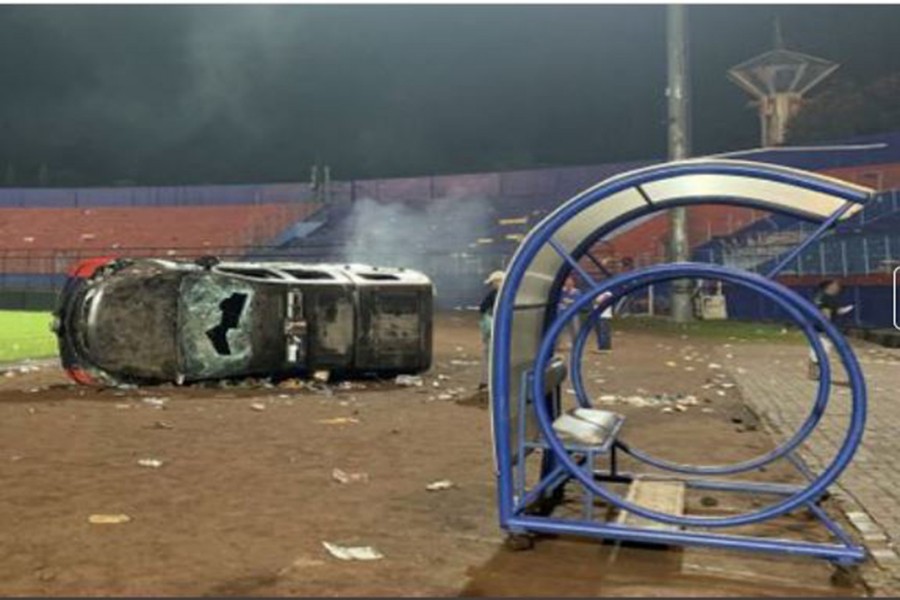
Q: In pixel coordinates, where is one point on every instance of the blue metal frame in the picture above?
(568, 463)
(782, 295)
(803, 432)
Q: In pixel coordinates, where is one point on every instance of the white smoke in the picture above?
(416, 235)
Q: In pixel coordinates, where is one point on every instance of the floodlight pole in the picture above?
(678, 93)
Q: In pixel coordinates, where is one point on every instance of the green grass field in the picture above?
(25, 335)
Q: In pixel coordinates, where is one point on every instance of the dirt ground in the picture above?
(245, 495)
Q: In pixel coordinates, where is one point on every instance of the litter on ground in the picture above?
(338, 421)
(353, 552)
(463, 363)
(408, 380)
(342, 476)
(437, 486)
(155, 402)
(108, 519)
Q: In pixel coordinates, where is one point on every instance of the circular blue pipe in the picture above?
(803, 432)
(500, 383)
(686, 270)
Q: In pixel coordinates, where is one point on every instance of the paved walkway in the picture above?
(773, 380)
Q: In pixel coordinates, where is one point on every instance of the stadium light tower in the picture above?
(778, 80)
(678, 93)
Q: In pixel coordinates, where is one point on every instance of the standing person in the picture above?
(486, 323)
(604, 323)
(827, 300)
(568, 295)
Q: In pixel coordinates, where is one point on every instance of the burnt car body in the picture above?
(156, 320)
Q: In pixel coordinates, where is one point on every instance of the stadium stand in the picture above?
(741, 237)
(164, 227)
(44, 229)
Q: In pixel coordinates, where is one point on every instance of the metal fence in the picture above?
(836, 255)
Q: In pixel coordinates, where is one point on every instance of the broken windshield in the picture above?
(216, 324)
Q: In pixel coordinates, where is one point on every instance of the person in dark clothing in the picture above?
(827, 300)
(487, 303)
(486, 323)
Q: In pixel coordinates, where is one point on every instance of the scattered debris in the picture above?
(714, 366)
(155, 401)
(338, 421)
(320, 388)
(353, 552)
(292, 384)
(350, 385)
(671, 363)
(409, 380)
(463, 363)
(299, 564)
(321, 376)
(258, 406)
(443, 377)
(109, 519)
(162, 425)
(152, 463)
(437, 486)
(342, 476)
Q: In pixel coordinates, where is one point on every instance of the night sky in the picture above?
(206, 94)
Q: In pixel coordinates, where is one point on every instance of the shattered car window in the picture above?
(216, 325)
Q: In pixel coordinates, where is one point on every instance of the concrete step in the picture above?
(663, 496)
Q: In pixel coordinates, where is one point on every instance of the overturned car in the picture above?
(154, 320)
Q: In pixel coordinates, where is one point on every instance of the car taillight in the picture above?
(89, 266)
(80, 376)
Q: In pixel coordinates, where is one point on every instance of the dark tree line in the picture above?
(846, 108)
